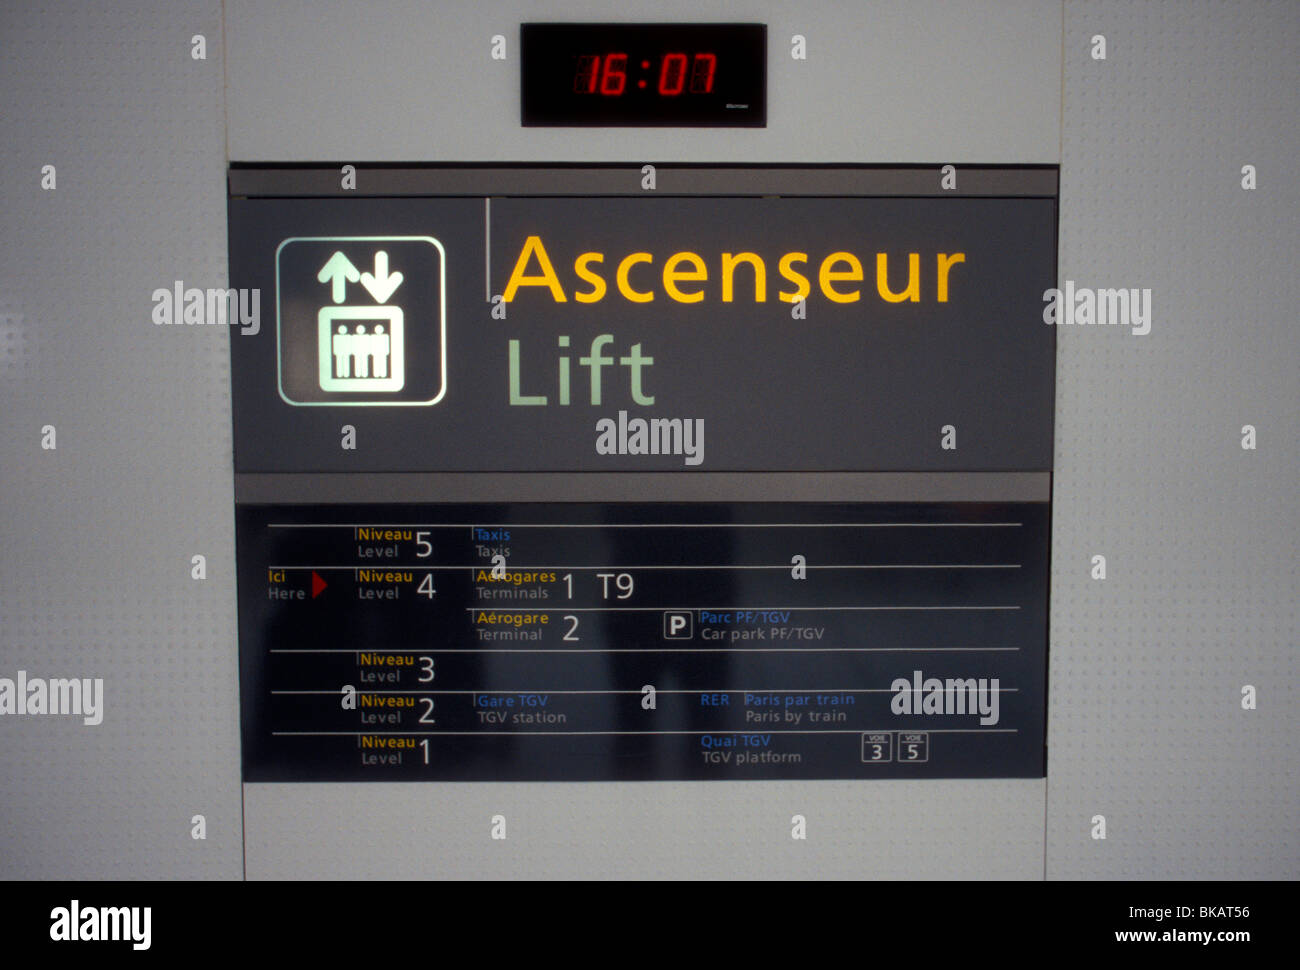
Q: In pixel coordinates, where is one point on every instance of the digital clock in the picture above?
(644, 75)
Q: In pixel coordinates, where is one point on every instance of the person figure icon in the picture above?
(360, 347)
(361, 353)
(340, 348)
(379, 350)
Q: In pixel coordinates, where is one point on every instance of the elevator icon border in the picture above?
(442, 322)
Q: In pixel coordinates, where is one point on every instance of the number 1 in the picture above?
(584, 81)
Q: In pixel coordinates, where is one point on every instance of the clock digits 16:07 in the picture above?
(607, 74)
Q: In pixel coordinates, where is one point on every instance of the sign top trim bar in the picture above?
(324, 181)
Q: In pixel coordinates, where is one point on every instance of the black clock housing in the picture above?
(643, 75)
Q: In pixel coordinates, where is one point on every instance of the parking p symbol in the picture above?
(677, 626)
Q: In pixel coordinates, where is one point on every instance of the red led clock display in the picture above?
(703, 75)
(676, 72)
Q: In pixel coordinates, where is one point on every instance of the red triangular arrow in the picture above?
(317, 584)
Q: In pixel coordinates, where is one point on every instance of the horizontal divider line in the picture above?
(702, 690)
(491, 733)
(712, 609)
(644, 525)
(421, 650)
(426, 566)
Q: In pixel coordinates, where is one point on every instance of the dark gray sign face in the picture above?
(510, 621)
(378, 643)
(645, 333)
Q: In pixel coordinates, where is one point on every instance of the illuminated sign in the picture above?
(721, 486)
(789, 332)
(836, 272)
(351, 326)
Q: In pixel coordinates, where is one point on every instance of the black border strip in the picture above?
(320, 179)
